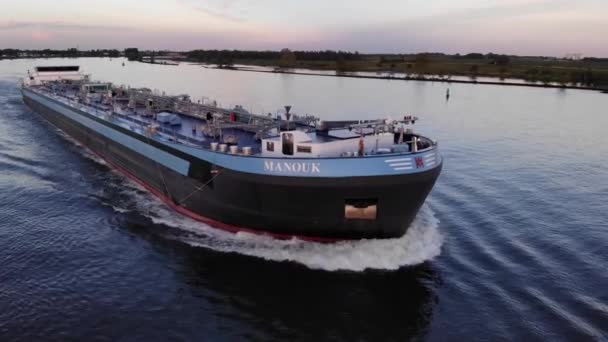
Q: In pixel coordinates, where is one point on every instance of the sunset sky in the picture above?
(532, 27)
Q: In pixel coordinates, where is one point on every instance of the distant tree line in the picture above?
(229, 56)
(595, 60)
(491, 58)
(49, 53)
(327, 55)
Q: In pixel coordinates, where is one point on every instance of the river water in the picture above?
(511, 244)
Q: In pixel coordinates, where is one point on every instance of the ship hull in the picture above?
(305, 207)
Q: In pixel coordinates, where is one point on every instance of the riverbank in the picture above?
(413, 78)
(576, 72)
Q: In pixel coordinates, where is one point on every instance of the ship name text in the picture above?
(292, 167)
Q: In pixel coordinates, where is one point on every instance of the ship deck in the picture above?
(191, 128)
(242, 129)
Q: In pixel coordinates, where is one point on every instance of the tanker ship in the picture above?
(284, 175)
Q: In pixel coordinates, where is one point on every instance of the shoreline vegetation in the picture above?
(425, 78)
(571, 72)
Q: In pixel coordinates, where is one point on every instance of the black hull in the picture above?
(312, 208)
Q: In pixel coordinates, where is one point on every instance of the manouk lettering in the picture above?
(295, 167)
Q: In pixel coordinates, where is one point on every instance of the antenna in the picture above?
(287, 114)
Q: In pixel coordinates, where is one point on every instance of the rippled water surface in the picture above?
(512, 243)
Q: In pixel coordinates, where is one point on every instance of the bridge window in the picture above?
(304, 149)
(288, 144)
(269, 146)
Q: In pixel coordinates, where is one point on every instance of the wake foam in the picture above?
(422, 242)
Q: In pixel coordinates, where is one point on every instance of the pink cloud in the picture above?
(40, 36)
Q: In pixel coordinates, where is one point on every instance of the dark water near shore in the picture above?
(512, 244)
